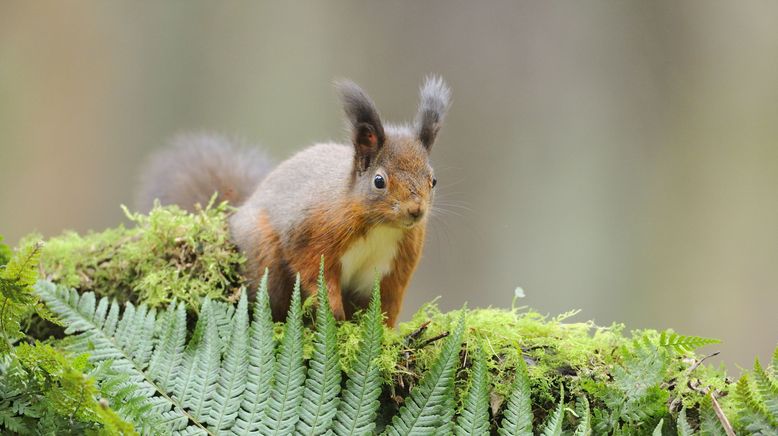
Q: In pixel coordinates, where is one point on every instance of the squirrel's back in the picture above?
(315, 175)
(195, 166)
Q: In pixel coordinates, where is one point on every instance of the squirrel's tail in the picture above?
(195, 167)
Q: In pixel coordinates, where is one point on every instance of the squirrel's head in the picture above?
(391, 169)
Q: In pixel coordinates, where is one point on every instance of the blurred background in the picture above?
(617, 157)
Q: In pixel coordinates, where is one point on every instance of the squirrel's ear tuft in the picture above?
(435, 98)
(367, 130)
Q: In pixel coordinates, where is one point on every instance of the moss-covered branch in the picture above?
(580, 377)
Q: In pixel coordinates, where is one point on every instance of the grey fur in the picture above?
(195, 166)
(359, 107)
(435, 99)
(305, 180)
(367, 131)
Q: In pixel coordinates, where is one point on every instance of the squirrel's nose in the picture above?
(415, 211)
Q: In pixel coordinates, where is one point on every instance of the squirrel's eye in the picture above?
(434, 182)
(379, 181)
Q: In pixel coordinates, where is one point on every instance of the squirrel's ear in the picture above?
(367, 130)
(435, 98)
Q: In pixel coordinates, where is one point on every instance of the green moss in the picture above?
(5, 252)
(632, 378)
(631, 381)
(167, 254)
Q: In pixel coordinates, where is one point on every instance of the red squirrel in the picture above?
(362, 206)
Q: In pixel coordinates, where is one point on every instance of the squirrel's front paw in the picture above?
(337, 311)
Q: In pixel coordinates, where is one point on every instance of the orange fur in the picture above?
(393, 284)
(327, 232)
(268, 253)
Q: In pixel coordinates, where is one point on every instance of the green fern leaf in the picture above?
(17, 298)
(639, 411)
(5, 252)
(111, 320)
(320, 398)
(682, 425)
(136, 389)
(20, 273)
(474, 418)
(281, 413)
(141, 345)
(422, 414)
(261, 361)
(554, 422)
(232, 377)
(585, 419)
(517, 417)
(125, 396)
(709, 422)
(359, 400)
(753, 414)
(449, 408)
(13, 423)
(201, 362)
(775, 363)
(642, 370)
(658, 428)
(124, 329)
(169, 350)
(223, 313)
(683, 344)
(767, 387)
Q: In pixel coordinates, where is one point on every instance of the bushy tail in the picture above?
(195, 166)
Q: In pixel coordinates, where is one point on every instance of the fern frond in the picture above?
(554, 422)
(658, 428)
(201, 360)
(20, 273)
(124, 396)
(13, 423)
(774, 364)
(682, 424)
(5, 252)
(421, 414)
(585, 419)
(234, 369)
(474, 418)
(322, 386)
(709, 422)
(167, 355)
(448, 411)
(645, 409)
(767, 386)
(683, 344)
(81, 321)
(223, 313)
(359, 400)
(261, 362)
(517, 417)
(643, 369)
(753, 413)
(142, 344)
(17, 299)
(281, 412)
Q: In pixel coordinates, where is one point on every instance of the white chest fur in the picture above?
(367, 256)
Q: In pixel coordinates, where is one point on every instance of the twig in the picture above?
(432, 339)
(699, 362)
(722, 417)
(416, 333)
